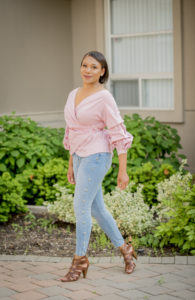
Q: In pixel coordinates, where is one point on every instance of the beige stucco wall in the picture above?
(87, 31)
(186, 132)
(189, 54)
(36, 56)
(187, 129)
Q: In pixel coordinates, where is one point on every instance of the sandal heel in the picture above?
(79, 265)
(134, 254)
(128, 253)
(85, 272)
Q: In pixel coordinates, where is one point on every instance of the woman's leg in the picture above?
(108, 224)
(105, 219)
(89, 173)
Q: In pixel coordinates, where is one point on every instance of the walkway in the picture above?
(33, 278)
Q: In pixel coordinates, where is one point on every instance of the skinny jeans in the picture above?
(89, 173)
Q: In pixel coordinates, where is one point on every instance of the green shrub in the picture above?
(39, 184)
(132, 215)
(153, 142)
(149, 176)
(11, 197)
(25, 144)
(176, 197)
(149, 240)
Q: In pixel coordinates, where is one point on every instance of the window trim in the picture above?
(172, 115)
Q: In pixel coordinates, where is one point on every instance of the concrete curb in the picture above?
(38, 209)
(178, 260)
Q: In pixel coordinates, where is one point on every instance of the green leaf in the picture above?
(115, 160)
(12, 161)
(15, 153)
(2, 153)
(56, 142)
(43, 160)
(3, 167)
(33, 162)
(20, 162)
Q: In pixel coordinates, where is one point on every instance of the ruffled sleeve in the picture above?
(118, 136)
(66, 139)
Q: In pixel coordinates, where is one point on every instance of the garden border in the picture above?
(178, 260)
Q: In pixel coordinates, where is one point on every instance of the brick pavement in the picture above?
(36, 277)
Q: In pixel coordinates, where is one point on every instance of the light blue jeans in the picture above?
(89, 173)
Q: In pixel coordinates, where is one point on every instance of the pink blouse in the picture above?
(85, 131)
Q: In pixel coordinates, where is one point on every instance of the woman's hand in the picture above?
(122, 180)
(70, 175)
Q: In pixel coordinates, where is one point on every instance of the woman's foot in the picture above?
(79, 265)
(128, 253)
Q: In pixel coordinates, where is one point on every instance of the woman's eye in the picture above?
(84, 66)
(94, 67)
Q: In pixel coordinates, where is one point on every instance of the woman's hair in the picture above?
(101, 59)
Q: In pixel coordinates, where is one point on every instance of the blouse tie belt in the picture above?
(87, 129)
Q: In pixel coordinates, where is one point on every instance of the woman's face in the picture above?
(91, 70)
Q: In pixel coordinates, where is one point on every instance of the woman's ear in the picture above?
(103, 71)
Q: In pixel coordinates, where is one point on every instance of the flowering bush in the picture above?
(177, 212)
(63, 206)
(167, 188)
(132, 215)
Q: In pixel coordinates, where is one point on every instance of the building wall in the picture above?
(36, 57)
(187, 129)
(87, 32)
(186, 132)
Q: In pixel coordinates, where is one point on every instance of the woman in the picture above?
(87, 111)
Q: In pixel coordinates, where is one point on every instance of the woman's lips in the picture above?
(87, 76)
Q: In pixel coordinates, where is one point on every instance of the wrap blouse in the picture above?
(85, 131)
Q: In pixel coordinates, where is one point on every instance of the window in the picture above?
(141, 48)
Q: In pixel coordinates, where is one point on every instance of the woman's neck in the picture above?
(91, 86)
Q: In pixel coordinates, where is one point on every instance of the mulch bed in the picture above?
(45, 236)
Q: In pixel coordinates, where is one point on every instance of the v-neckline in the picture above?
(75, 107)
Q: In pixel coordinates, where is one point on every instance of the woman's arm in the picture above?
(122, 179)
(119, 137)
(70, 173)
(70, 161)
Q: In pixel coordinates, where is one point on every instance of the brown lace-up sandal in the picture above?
(79, 265)
(128, 253)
